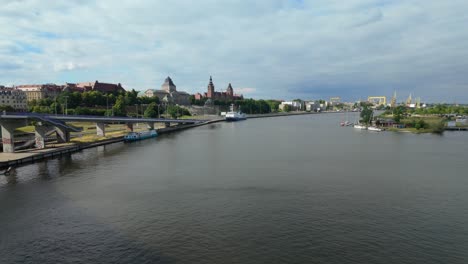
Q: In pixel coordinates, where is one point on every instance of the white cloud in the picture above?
(67, 66)
(284, 49)
(245, 91)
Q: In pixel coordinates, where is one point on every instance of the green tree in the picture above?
(287, 108)
(420, 124)
(398, 113)
(120, 108)
(366, 115)
(274, 105)
(173, 111)
(56, 108)
(176, 111)
(41, 109)
(151, 111)
(131, 97)
(148, 100)
(6, 108)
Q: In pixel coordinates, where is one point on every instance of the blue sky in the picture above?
(279, 49)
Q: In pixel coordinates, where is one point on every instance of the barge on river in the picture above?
(135, 136)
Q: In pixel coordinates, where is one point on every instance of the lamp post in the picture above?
(66, 105)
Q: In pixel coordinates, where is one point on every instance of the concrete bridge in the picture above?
(45, 124)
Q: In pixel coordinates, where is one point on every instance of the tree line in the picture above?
(92, 103)
(249, 106)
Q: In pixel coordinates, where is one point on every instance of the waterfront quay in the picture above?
(47, 124)
(19, 158)
(32, 155)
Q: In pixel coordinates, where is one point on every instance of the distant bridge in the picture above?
(45, 123)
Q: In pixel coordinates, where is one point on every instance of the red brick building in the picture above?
(212, 94)
(94, 86)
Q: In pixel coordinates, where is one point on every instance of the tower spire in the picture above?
(211, 88)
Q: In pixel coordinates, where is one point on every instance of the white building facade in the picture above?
(14, 98)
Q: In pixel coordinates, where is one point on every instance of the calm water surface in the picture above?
(275, 190)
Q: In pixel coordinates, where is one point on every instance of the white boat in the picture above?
(359, 126)
(234, 116)
(374, 128)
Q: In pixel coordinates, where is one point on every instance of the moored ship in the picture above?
(135, 136)
(234, 116)
(359, 126)
(374, 128)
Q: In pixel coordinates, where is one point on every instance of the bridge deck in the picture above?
(100, 119)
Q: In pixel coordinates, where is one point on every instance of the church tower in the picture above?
(409, 100)
(229, 91)
(168, 85)
(393, 103)
(211, 89)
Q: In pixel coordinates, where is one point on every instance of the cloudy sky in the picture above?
(280, 49)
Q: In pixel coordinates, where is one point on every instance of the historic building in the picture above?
(212, 94)
(40, 91)
(14, 98)
(93, 86)
(169, 94)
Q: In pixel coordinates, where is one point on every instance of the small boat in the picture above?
(234, 116)
(346, 123)
(374, 128)
(135, 136)
(359, 126)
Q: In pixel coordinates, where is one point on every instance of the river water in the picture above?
(275, 190)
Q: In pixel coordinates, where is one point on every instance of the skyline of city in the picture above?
(273, 50)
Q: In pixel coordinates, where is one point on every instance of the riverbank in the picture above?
(30, 156)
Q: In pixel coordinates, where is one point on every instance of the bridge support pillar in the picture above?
(129, 127)
(41, 133)
(8, 138)
(167, 124)
(63, 135)
(150, 125)
(101, 129)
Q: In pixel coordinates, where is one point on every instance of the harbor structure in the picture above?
(377, 100)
